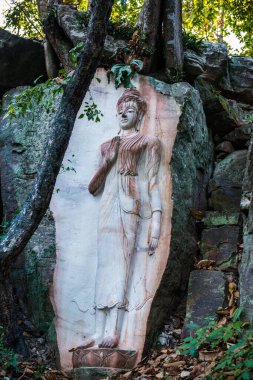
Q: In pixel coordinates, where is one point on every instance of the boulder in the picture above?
(240, 137)
(216, 56)
(223, 115)
(74, 24)
(217, 219)
(22, 145)
(21, 60)
(220, 244)
(225, 187)
(206, 294)
(194, 64)
(240, 82)
(210, 64)
(225, 147)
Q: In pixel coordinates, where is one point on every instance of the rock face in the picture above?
(22, 146)
(211, 64)
(241, 79)
(223, 115)
(21, 61)
(206, 294)
(246, 265)
(185, 140)
(220, 244)
(226, 185)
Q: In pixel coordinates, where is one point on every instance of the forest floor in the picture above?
(222, 349)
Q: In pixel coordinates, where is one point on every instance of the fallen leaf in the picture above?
(174, 364)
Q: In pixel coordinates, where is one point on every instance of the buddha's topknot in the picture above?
(133, 95)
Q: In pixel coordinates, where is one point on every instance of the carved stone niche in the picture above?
(113, 211)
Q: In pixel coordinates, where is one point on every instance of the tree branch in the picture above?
(27, 221)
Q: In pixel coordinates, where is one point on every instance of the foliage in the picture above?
(192, 42)
(75, 53)
(213, 20)
(248, 117)
(229, 338)
(91, 111)
(238, 358)
(124, 73)
(7, 356)
(26, 100)
(22, 18)
(126, 11)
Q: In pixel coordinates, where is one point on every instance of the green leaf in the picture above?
(136, 64)
(249, 363)
(237, 314)
(246, 376)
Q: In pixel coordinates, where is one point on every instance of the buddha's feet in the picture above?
(88, 343)
(92, 341)
(109, 342)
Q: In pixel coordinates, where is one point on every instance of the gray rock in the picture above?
(225, 187)
(223, 115)
(216, 56)
(73, 25)
(21, 60)
(217, 219)
(246, 265)
(240, 137)
(225, 147)
(220, 244)
(22, 146)
(194, 64)
(206, 293)
(240, 86)
(211, 64)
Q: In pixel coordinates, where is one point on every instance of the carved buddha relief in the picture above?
(127, 178)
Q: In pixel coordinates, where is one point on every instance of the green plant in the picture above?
(75, 53)
(23, 19)
(25, 101)
(238, 359)
(248, 117)
(124, 73)
(192, 42)
(39, 372)
(234, 339)
(92, 112)
(175, 75)
(7, 357)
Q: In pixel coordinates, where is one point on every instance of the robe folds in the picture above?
(130, 196)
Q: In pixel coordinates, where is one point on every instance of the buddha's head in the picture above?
(131, 108)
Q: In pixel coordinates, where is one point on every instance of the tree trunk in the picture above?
(149, 34)
(27, 221)
(172, 34)
(54, 37)
(58, 40)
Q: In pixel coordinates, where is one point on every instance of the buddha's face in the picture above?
(128, 116)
